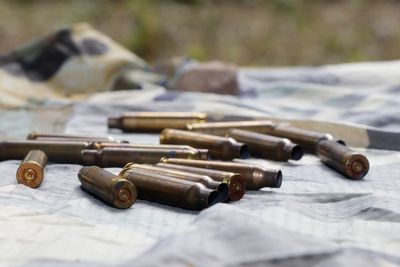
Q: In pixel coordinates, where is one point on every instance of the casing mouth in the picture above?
(278, 181)
(213, 198)
(244, 152)
(296, 153)
(223, 189)
(113, 122)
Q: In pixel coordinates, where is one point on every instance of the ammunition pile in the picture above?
(191, 168)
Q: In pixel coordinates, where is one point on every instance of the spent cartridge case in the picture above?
(71, 137)
(31, 170)
(154, 121)
(351, 164)
(120, 156)
(219, 147)
(168, 190)
(57, 152)
(235, 181)
(222, 128)
(201, 153)
(113, 190)
(256, 177)
(222, 188)
(267, 146)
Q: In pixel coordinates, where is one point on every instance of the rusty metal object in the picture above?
(235, 181)
(351, 164)
(154, 121)
(120, 156)
(113, 190)
(31, 170)
(219, 147)
(169, 190)
(222, 128)
(256, 177)
(201, 153)
(57, 152)
(267, 146)
(70, 137)
(222, 188)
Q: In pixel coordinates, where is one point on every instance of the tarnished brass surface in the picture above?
(256, 177)
(201, 153)
(351, 164)
(219, 147)
(120, 156)
(221, 128)
(57, 152)
(267, 146)
(31, 170)
(113, 190)
(235, 181)
(171, 191)
(154, 121)
(71, 137)
(222, 188)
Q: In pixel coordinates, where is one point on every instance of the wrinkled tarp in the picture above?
(317, 217)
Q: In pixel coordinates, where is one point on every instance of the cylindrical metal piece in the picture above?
(113, 190)
(221, 128)
(219, 147)
(351, 164)
(154, 121)
(201, 153)
(256, 177)
(57, 152)
(31, 170)
(222, 188)
(235, 181)
(267, 146)
(171, 191)
(119, 157)
(71, 137)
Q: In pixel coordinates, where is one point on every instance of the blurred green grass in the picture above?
(267, 33)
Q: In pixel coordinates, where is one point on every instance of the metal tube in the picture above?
(235, 181)
(154, 121)
(266, 146)
(221, 128)
(111, 189)
(351, 164)
(256, 177)
(119, 157)
(222, 188)
(171, 191)
(219, 147)
(71, 137)
(31, 170)
(57, 152)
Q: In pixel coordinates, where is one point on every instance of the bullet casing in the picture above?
(222, 128)
(219, 147)
(31, 171)
(119, 157)
(154, 121)
(71, 137)
(57, 152)
(235, 181)
(256, 177)
(351, 164)
(113, 190)
(222, 188)
(267, 146)
(171, 191)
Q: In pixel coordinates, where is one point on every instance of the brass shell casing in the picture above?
(267, 146)
(154, 121)
(256, 177)
(71, 137)
(218, 147)
(222, 128)
(113, 190)
(31, 170)
(235, 181)
(351, 164)
(222, 188)
(171, 191)
(120, 156)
